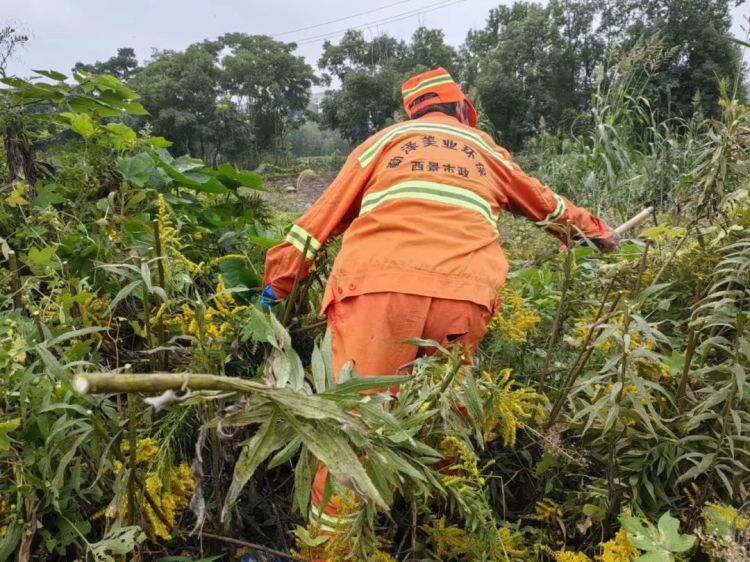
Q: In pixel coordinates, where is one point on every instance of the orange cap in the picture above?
(440, 83)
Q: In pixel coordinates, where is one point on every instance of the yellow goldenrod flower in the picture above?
(514, 321)
(507, 408)
(546, 511)
(569, 556)
(453, 542)
(618, 549)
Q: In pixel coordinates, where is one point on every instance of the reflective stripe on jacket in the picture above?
(419, 202)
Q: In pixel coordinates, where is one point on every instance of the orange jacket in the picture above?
(419, 202)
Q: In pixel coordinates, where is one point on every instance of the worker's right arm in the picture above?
(556, 214)
(330, 214)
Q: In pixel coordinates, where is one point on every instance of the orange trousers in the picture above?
(369, 332)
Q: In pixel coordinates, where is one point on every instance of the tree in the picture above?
(10, 40)
(534, 62)
(270, 82)
(181, 91)
(371, 74)
(122, 66)
(693, 33)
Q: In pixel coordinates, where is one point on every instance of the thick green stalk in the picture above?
(164, 358)
(156, 383)
(557, 322)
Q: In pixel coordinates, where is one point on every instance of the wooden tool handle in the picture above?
(635, 221)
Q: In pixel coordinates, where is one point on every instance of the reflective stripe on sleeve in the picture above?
(369, 155)
(554, 215)
(298, 236)
(431, 191)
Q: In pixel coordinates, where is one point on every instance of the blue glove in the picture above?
(268, 298)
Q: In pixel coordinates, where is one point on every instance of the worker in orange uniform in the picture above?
(418, 204)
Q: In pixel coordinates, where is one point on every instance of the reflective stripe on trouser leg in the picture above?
(327, 518)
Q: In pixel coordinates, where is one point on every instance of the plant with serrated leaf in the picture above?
(660, 542)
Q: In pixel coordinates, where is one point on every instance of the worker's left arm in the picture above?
(330, 214)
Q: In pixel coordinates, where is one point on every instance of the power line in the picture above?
(392, 19)
(389, 19)
(342, 19)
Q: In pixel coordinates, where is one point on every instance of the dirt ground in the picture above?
(297, 193)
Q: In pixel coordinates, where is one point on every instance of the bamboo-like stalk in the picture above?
(147, 325)
(132, 462)
(586, 351)
(557, 322)
(160, 271)
(689, 354)
(15, 280)
(626, 323)
(156, 383)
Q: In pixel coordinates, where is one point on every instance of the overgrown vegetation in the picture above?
(606, 418)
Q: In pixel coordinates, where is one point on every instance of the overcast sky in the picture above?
(63, 32)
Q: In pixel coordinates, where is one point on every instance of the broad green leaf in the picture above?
(40, 261)
(236, 273)
(234, 179)
(136, 169)
(118, 542)
(51, 74)
(258, 328)
(5, 428)
(122, 135)
(159, 142)
(47, 195)
(82, 124)
(655, 556)
(672, 539)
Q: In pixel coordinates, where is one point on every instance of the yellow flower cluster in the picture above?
(466, 463)
(567, 556)
(145, 451)
(453, 542)
(507, 408)
(725, 514)
(546, 511)
(171, 495)
(216, 318)
(618, 549)
(4, 516)
(171, 243)
(515, 320)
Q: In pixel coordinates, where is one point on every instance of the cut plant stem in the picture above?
(156, 383)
